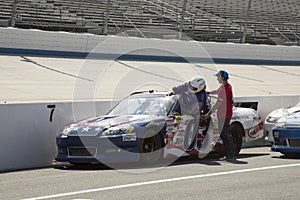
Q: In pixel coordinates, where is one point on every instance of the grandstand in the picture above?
(251, 21)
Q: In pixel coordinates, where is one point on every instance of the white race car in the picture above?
(246, 126)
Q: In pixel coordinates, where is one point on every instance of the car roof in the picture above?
(149, 93)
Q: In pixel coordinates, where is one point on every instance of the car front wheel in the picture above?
(151, 148)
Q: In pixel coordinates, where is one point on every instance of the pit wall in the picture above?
(28, 130)
(267, 104)
(36, 42)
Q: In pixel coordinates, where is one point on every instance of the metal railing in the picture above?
(171, 15)
(171, 12)
(117, 26)
(136, 28)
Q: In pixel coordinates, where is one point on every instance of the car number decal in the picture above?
(129, 137)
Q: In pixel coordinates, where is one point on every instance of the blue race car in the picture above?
(150, 126)
(286, 134)
(274, 116)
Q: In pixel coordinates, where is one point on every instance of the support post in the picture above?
(182, 19)
(106, 17)
(246, 22)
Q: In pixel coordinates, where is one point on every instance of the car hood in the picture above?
(275, 115)
(291, 120)
(283, 111)
(100, 124)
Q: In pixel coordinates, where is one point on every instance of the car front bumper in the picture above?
(286, 140)
(268, 132)
(91, 149)
(284, 149)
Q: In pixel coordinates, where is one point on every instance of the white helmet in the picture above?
(197, 84)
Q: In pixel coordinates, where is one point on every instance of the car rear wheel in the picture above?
(151, 147)
(237, 137)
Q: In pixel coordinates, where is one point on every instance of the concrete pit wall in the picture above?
(28, 130)
(20, 41)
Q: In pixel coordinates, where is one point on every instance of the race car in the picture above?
(286, 135)
(148, 127)
(273, 118)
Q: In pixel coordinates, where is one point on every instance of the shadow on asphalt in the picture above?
(211, 159)
(288, 156)
(214, 159)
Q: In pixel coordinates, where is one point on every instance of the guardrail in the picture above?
(35, 42)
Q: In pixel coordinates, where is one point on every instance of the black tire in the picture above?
(151, 147)
(190, 136)
(237, 133)
(237, 137)
(292, 155)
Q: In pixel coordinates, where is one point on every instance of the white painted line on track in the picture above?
(162, 181)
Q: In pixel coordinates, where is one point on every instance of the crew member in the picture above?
(224, 107)
(193, 97)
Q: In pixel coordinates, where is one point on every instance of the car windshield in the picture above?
(212, 100)
(144, 105)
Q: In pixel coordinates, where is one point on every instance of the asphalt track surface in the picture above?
(257, 174)
(32, 79)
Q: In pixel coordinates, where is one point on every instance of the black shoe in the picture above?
(231, 159)
(223, 158)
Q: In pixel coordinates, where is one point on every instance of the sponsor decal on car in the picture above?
(153, 124)
(253, 131)
(129, 137)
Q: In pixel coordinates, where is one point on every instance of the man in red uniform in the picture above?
(223, 107)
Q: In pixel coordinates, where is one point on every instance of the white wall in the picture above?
(267, 104)
(27, 136)
(69, 44)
